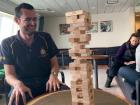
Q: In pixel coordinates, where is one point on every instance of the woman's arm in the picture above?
(138, 58)
(120, 52)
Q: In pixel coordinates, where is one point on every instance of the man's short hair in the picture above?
(22, 6)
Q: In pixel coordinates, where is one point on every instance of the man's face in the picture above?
(27, 21)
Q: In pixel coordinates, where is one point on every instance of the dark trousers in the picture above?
(37, 91)
(113, 70)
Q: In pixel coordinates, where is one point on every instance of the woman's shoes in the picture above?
(108, 82)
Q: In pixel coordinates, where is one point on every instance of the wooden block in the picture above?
(71, 29)
(82, 99)
(73, 66)
(74, 55)
(79, 82)
(73, 40)
(82, 20)
(85, 38)
(78, 103)
(71, 19)
(80, 61)
(76, 25)
(86, 74)
(78, 32)
(85, 50)
(72, 50)
(78, 12)
(79, 46)
(83, 28)
(80, 89)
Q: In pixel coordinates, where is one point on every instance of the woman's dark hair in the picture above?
(22, 6)
(132, 35)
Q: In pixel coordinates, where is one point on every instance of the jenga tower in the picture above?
(81, 68)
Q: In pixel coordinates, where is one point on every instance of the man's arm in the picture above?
(18, 87)
(54, 65)
(53, 82)
(10, 75)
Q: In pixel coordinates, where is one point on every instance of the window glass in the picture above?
(7, 26)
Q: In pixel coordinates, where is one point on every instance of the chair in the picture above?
(1, 81)
(138, 92)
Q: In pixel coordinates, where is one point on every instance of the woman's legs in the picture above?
(112, 72)
(131, 75)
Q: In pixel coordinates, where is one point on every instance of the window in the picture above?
(7, 26)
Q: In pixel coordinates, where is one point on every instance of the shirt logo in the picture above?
(43, 52)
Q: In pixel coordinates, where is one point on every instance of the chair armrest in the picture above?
(62, 76)
(137, 92)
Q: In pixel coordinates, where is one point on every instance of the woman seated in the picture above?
(125, 56)
(130, 74)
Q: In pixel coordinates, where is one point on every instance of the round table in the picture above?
(64, 98)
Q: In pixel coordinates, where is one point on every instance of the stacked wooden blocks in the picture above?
(80, 69)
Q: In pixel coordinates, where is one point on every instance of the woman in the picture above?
(131, 75)
(125, 57)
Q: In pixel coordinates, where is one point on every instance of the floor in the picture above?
(115, 90)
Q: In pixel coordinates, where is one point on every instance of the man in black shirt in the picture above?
(30, 61)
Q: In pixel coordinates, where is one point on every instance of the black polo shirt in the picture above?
(33, 61)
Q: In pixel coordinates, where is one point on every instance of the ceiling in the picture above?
(60, 7)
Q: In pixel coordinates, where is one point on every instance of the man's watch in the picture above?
(55, 73)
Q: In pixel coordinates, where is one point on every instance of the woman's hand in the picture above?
(130, 62)
(53, 83)
(19, 89)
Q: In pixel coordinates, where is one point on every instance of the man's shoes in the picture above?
(108, 82)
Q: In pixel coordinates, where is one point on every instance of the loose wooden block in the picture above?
(78, 12)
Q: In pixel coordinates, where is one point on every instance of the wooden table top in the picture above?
(64, 98)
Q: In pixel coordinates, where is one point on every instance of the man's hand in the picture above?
(19, 89)
(53, 83)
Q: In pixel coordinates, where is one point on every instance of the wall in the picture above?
(123, 26)
(137, 24)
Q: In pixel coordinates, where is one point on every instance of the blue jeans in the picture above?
(131, 75)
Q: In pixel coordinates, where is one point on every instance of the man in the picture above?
(30, 63)
(138, 56)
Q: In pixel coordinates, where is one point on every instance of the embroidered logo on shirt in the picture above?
(43, 52)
